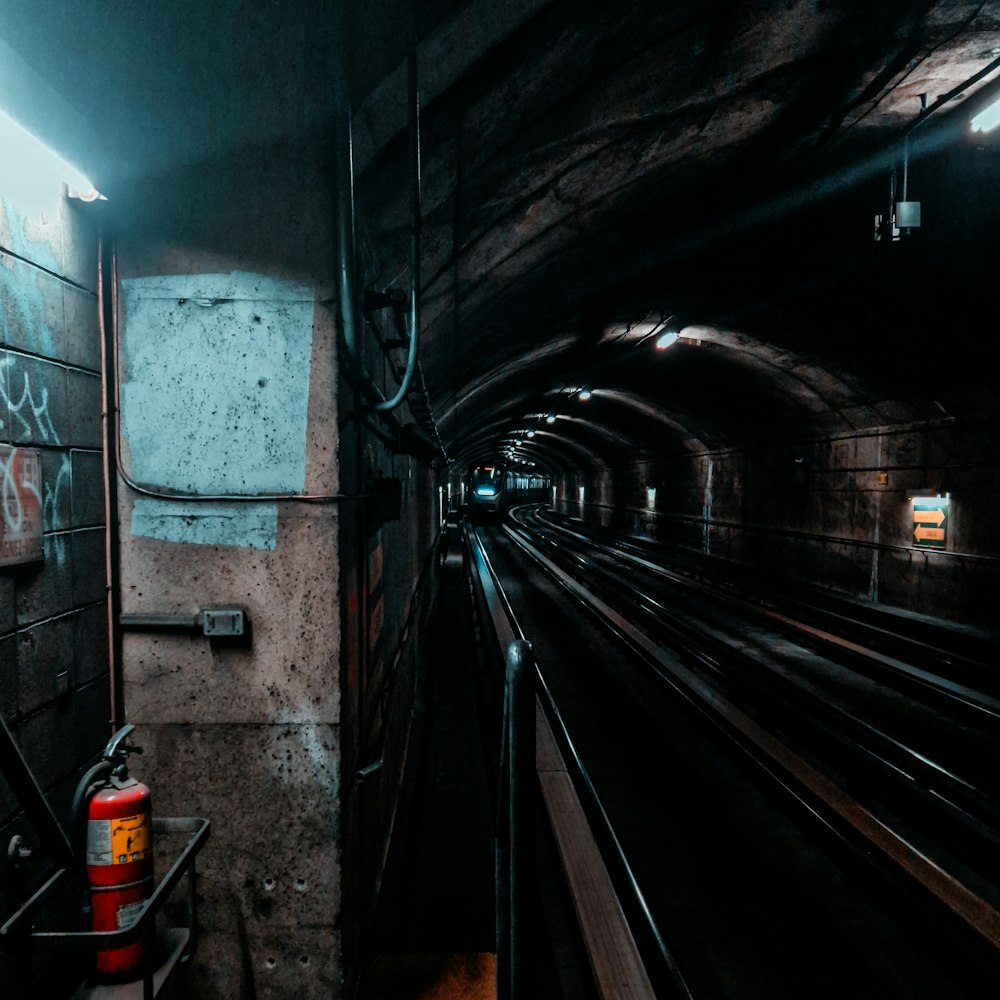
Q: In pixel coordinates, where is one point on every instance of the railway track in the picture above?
(880, 803)
(932, 742)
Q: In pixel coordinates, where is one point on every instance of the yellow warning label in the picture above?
(130, 840)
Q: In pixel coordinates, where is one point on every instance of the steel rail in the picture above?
(823, 639)
(629, 979)
(817, 792)
(948, 794)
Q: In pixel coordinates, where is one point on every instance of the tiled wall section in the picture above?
(54, 676)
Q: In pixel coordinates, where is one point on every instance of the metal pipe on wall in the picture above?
(107, 305)
(415, 208)
(343, 154)
(346, 229)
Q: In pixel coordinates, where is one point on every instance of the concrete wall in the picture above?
(228, 393)
(54, 667)
(245, 480)
(389, 585)
(834, 512)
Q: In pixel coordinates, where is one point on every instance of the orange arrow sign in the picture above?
(935, 516)
(928, 534)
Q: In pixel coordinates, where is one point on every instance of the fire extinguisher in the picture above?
(115, 844)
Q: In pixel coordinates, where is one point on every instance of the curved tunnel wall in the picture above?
(835, 512)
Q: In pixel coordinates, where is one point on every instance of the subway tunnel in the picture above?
(716, 277)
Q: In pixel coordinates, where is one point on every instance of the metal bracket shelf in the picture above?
(177, 945)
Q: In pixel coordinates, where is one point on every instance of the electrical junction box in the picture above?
(223, 622)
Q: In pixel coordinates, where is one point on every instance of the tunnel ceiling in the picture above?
(596, 175)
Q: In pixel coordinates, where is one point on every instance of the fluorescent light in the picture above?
(666, 340)
(29, 167)
(987, 119)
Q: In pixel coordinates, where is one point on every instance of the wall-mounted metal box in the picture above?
(221, 622)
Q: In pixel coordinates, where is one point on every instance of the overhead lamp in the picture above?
(29, 166)
(666, 340)
(987, 119)
(551, 418)
(531, 434)
(585, 394)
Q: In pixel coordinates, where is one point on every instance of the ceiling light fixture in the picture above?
(30, 166)
(551, 418)
(585, 394)
(987, 119)
(666, 340)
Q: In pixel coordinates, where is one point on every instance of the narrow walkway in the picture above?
(436, 926)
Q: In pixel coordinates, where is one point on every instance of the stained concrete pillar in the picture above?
(228, 484)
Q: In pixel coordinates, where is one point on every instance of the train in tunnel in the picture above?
(493, 489)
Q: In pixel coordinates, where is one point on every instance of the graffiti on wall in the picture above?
(20, 505)
(25, 413)
(28, 407)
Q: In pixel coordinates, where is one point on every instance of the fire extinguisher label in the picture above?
(118, 841)
(126, 915)
(130, 840)
(99, 842)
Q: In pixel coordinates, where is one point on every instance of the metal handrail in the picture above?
(514, 818)
(536, 692)
(515, 770)
(32, 799)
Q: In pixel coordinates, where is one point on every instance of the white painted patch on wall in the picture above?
(215, 386)
(215, 395)
(246, 525)
(326, 777)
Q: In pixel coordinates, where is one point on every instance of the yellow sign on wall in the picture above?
(930, 522)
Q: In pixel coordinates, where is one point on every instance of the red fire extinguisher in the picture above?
(117, 851)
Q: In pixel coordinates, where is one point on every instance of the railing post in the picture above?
(514, 822)
(31, 798)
